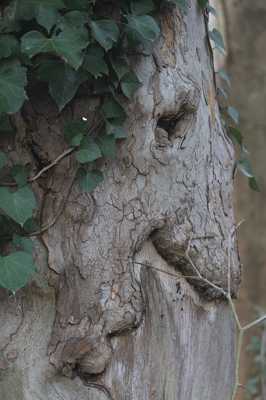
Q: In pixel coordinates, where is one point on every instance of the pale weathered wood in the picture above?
(94, 312)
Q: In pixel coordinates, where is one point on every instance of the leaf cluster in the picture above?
(65, 45)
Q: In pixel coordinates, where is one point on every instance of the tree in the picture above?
(119, 308)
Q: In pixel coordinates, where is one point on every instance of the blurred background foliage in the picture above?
(243, 24)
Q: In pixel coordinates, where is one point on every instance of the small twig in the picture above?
(43, 170)
(254, 323)
(55, 162)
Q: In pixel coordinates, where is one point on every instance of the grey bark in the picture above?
(112, 314)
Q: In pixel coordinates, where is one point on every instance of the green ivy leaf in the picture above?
(222, 92)
(142, 28)
(88, 181)
(107, 146)
(9, 46)
(20, 174)
(47, 16)
(233, 114)
(203, 3)
(116, 130)
(129, 84)
(68, 45)
(77, 4)
(5, 125)
(18, 205)
(217, 38)
(63, 81)
(89, 151)
(211, 10)
(142, 7)
(73, 20)
(224, 76)
(23, 243)
(245, 167)
(29, 9)
(3, 159)
(94, 62)
(120, 65)
(16, 270)
(236, 135)
(105, 32)
(253, 184)
(112, 110)
(75, 131)
(12, 83)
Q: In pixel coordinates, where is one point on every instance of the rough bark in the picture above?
(112, 314)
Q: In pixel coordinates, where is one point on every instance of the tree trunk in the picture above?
(112, 313)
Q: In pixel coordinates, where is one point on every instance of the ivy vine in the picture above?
(66, 44)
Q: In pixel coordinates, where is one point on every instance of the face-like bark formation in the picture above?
(123, 322)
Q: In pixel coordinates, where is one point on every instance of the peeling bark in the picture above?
(105, 318)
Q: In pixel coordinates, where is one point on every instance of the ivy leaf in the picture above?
(16, 270)
(141, 7)
(20, 174)
(233, 114)
(64, 89)
(23, 243)
(75, 131)
(5, 124)
(222, 92)
(217, 38)
(12, 83)
(107, 146)
(112, 110)
(73, 20)
(63, 81)
(245, 167)
(8, 46)
(143, 28)
(211, 10)
(224, 75)
(3, 159)
(89, 151)
(116, 130)
(77, 4)
(203, 3)
(68, 45)
(130, 84)
(88, 181)
(120, 65)
(94, 62)
(29, 9)
(47, 16)
(18, 205)
(105, 32)
(253, 184)
(235, 134)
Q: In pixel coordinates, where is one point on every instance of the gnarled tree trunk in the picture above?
(112, 313)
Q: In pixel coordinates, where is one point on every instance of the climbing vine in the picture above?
(67, 45)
